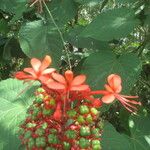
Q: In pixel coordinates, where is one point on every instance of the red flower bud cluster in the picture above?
(42, 129)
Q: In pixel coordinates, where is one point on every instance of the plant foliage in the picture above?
(93, 37)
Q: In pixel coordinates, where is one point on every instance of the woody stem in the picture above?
(60, 33)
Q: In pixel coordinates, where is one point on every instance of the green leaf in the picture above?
(126, 1)
(12, 111)
(112, 24)
(101, 64)
(112, 140)
(38, 39)
(139, 139)
(63, 11)
(12, 49)
(90, 2)
(140, 132)
(147, 13)
(4, 29)
(83, 42)
(16, 7)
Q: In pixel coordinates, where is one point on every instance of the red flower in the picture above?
(38, 70)
(113, 88)
(67, 83)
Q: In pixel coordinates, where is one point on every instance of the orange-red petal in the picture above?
(114, 81)
(45, 63)
(108, 98)
(56, 86)
(48, 71)
(45, 79)
(119, 89)
(79, 88)
(21, 76)
(69, 76)
(36, 63)
(59, 78)
(30, 71)
(78, 80)
(108, 88)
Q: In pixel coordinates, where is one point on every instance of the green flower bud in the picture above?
(94, 111)
(31, 143)
(30, 125)
(40, 90)
(39, 98)
(52, 139)
(81, 119)
(44, 125)
(100, 124)
(66, 146)
(40, 132)
(89, 118)
(52, 102)
(96, 145)
(71, 113)
(70, 134)
(84, 143)
(40, 142)
(35, 111)
(84, 109)
(53, 130)
(48, 111)
(85, 131)
(50, 148)
(96, 132)
(27, 135)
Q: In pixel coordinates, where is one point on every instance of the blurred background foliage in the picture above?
(101, 37)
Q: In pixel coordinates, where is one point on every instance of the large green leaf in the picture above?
(12, 110)
(139, 139)
(12, 49)
(83, 42)
(38, 39)
(140, 132)
(112, 24)
(63, 11)
(112, 140)
(16, 7)
(99, 65)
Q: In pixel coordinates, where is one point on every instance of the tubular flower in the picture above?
(38, 70)
(67, 82)
(113, 88)
(58, 112)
